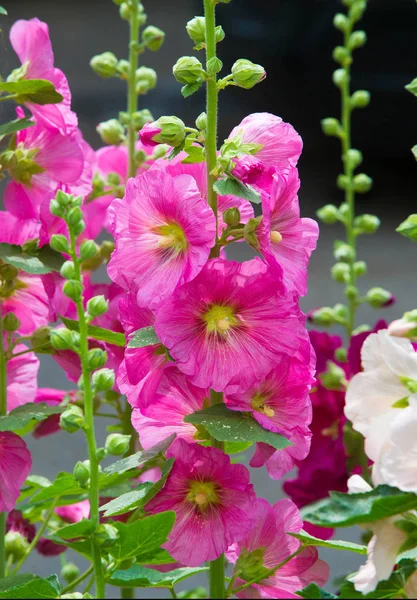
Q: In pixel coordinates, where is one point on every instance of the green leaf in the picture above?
(236, 447)
(195, 154)
(97, 333)
(22, 415)
(159, 557)
(126, 502)
(83, 528)
(230, 186)
(343, 510)
(3, 11)
(314, 592)
(408, 228)
(412, 87)
(83, 547)
(15, 125)
(158, 485)
(28, 586)
(233, 426)
(138, 576)
(191, 88)
(45, 261)
(391, 588)
(309, 540)
(36, 91)
(143, 337)
(414, 151)
(140, 458)
(142, 537)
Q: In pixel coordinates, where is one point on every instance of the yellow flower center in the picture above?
(220, 319)
(203, 494)
(275, 237)
(171, 238)
(259, 404)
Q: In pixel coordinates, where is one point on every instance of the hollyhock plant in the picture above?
(52, 397)
(211, 498)
(230, 325)
(15, 465)
(22, 377)
(267, 545)
(163, 232)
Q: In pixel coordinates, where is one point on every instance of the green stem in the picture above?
(132, 97)
(350, 192)
(173, 593)
(3, 412)
(77, 581)
(34, 349)
(89, 424)
(35, 539)
(127, 593)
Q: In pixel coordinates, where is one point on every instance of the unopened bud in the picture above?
(70, 572)
(146, 79)
(73, 289)
(72, 419)
(81, 472)
(104, 64)
(97, 306)
(166, 130)
(56, 209)
(340, 77)
(340, 272)
(16, 545)
(359, 268)
(379, 298)
(88, 249)
(196, 29)
(341, 22)
(59, 243)
(111, 132)
(117, 444)
(342, 56)
(220, 35)
(357, 10)
(153, 38)
(357, 40)
(334, 378)
(342, 182)
(362, 183)
(408, 228)
(353, 158)
(366, 224)
(63, 198)
(231, 217)
(68, 270)
(61, 338)
(74, 216)
(96, 358)
(187, 69)
(106, 535)
(10, 322)
(344, 252)
(331, 127)
(103, 380)
(360, 99)
(322, 316)
(328, 214)
(247, 74)
(201, 122)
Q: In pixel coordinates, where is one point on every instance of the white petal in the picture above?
(357, 485)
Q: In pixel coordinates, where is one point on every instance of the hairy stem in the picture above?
(132, 98)
(3, 411)
(89, 426)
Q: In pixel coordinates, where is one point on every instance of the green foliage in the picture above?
(309, 540)
(143, 337)
(97, 333)
(138, 576)
(230, 186)
(408, 228)
(41, 261)
(27, 414)
(15, 125)
(140, 459)
(35, 91)
(391, 588)
(126, 502)
(27, 586)
(314, 592)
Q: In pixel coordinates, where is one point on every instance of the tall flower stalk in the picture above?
(3, 411)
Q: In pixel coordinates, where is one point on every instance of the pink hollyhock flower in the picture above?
(176, 398)
(45, 158)
(52, 397)
(163, 231)
(280, 403)
(281, 146)
(267, 545)
(211, 498)
(227, 326)
(47, 547)
(284, 237)
(15, 465)
(142, 368)
(73, 513)
(22, 378)
(30, 40)
(147, 133)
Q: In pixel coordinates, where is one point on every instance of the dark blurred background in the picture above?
(293, 40)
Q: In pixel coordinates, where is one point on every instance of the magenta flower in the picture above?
(47, 547)
(52, 397)
(147, 133)
(211, 498)
(267, 545)
(15, 522)
(73, 513)
(30, 40)
(286, 239)
(230, 325)
(22, 375)
(45, 158)
(163, 231)
(15, 465)
(280, 403)
(176, 398)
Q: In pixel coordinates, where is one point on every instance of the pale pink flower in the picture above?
(22, 375)
(15, 465)
(269, 544)
(73, 513)
(147, 133)
(229, 326)
(211, 498)
(163, 231)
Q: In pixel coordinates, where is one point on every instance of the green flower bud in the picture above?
(328, 214)
(146, 79)
(88, 249)
(77, 201)
(341, 21)
(342, 56)
(16, 545)
(220, 35)
(153, 38)
(331, 127)
(96, 358)
(357, 10)
(59, 243)
(41, 336)
(125, 11)
(61, 338)
(344, 210)
(231, 217)
(247, 74)
(74, 215)
(172, 131)
(353, 158)
(362, 183)
(340, 77)
(351, 292)
(360, 268)
(141, 117)
(75, 337)
(70, 572)
(73, 289)
(101, 454)
(214, 65)
(378, 297)
(79, 227)
(117, 444)
(357, 40)
(366, 224)
(97, 306)
(123, 69)
(68, 270)
(408, 228)
(63, 198)
(103, 380)
(201, 121)
(340, 272)
(343, 252)
(333, 378)
(106, 535)
(342, 182)
(340, 355)
(322, 316)
(249, 232)
(111, 132)
(360, 99)
(187, 69)
(56, 209)
(72, 419)
(81, 472)
(104, 65)
(361, 329)
(10, 322)
(196, 29)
